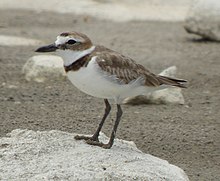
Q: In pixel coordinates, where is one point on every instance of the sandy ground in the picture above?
(187, 136)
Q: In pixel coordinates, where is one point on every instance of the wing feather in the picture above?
(125, 69)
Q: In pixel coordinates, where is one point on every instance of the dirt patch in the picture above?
(187, 136)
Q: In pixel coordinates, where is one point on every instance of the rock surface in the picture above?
(55, 155)
(204, 19)
(43, 67)
(172, 95)
(17, 41)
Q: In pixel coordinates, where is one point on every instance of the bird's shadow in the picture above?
(201, 40)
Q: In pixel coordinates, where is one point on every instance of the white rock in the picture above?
(172, 95)
(170, 71)
(165, 96)
(17, 41)
(55, 155)
(204, 19)
(43, 67)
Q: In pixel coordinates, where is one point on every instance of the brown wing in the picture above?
(125, 69)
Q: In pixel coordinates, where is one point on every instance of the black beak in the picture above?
(48, 48)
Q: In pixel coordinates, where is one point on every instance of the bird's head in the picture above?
(72, 41)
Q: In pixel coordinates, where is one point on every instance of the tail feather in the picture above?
(172, 81)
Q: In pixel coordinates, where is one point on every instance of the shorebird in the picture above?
(104, 73)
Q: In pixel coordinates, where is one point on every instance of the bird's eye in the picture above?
(71, 42)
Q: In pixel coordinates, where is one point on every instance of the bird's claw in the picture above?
(97, 143)
(93, 141)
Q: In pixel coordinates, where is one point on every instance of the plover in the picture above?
(104, 73)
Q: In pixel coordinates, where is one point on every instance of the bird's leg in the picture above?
(107, 111)
(96, 134)
(111, 140)
(113, 134)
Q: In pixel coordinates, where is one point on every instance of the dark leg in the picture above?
(96, 134)
(111, 141)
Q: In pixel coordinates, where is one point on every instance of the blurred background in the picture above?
(124, 10)
(184, 34)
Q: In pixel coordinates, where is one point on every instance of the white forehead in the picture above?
(63, 39)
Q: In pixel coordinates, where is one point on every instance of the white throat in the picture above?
(70, 56)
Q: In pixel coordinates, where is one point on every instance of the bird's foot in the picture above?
(100, 144)
(93, 140)
(87, 138)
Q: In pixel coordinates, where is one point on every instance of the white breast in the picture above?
(70, 56)
(93, 81)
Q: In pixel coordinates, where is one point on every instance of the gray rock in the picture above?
(43, 67)
(17, 41)
(204, 19)
(55, 155)
(171, 95)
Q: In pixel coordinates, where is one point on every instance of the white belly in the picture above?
(98, 84)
